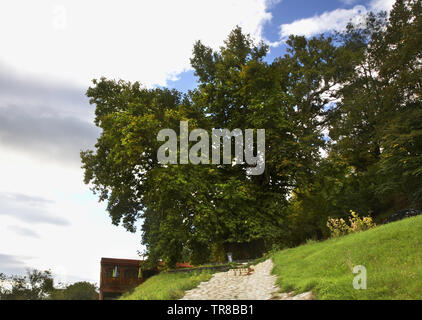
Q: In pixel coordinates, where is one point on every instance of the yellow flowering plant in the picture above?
(339, 227)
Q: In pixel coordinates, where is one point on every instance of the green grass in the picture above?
(167, 286)
(392, 255)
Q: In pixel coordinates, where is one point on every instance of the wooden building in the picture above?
(120, 275)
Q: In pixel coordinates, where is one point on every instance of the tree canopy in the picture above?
(39, 285)
(342, 115)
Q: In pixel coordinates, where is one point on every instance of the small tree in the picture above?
(77, 291)
(36, 285)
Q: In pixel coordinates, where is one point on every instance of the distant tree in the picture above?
(76, 291)
(36, 285)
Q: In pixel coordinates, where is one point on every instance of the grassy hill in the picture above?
(392, 255)
(167, 286)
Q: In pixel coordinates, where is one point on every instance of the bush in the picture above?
(200, 253)
(80, 291)
(339, 227)
(218, 254)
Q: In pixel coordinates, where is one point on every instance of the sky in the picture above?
(50, 52)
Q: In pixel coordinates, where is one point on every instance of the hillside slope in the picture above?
(167, 286)
(391, 254)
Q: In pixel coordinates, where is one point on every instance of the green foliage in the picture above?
(378, 120)
(36, 285)
(167, 286)
(401, 160)
(39, 285)
(218, 254)
(374, 152)
(390, 253)
(77, 291)
(339, 227)
(200, 253)
(186, 205)
(362, 86)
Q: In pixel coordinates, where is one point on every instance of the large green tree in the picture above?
(361, 86)
(198, 206)
(402, 129)
(377, 125)
(374, 155)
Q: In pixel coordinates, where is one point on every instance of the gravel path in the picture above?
(259, 285)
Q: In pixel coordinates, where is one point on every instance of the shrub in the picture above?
(218, 255)
(360, 224)
(339, 227)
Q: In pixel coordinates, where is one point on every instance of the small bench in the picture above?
(242, 271)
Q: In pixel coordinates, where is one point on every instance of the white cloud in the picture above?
(349, 2)
(45, 121)
(332, 20)
(381, 5)
(336, 19)
(72, 251)
(272, 3)
(150, 41)
(48, 218)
